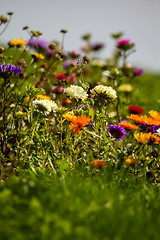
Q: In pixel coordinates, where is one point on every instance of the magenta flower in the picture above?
(122, 42)
(61, 76)
(137, 71)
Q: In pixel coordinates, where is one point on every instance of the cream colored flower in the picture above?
(44, 106)
(109, 92)
(76, 92)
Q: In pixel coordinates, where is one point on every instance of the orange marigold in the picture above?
(77, 123)
(69, 117)
(137, 119)
(155, 115)
(127, 125)
(151, 121)
(147, 138)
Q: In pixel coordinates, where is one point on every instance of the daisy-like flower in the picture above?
(44, 106)
(117, 132)
(9, 69)
(127, 125)
(154, 114)
(133, 109)
(77, 123)
(61, 77)
(137, 119)
(104, 92)
(38, 56)
(150, 121)
(76, 92)
(147, 138)
(18, 42)
(98, 163)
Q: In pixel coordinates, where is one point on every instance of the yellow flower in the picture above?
(147, 138)
(132, 161)
(38, 55)
(155, 115)
(43, 97)
(18, 42)
(125, 88)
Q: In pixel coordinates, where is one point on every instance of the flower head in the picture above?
(9, 69)
(77, 123)
(127, 125)
(61, 77)
(38, 43)
(104, 92)
(137, 119)
(133, 109)
(155, 115)
(98, 163)
(18, 42)
(117, 132)
(137, 72)
(38, 56)
(147, 138)
(132, 161)
(76, 92)
(44, 106)
(122, 42)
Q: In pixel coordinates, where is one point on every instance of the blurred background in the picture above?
(138, 20)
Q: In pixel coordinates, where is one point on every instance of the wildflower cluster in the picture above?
(64, 109)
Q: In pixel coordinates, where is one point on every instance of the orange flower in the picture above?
(132, 161)
(155, 115)
(77, 123)
(137, 119)
(98, 163)
(151, 121)
(127, 125)
(18, 43)
(147, 138)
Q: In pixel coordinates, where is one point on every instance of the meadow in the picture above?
(79, 140)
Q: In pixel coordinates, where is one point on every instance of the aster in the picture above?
(44, 106)
(9, 69)
(104, 92)
(117, 132)
(76, 92)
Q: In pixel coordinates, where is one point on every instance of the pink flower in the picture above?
(72, 78)
(61, 76)
(122, 42)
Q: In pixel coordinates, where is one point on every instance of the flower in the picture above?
(77, 123)
(135, 109)
(104, 91)
(137, 119)
(147, 138)
(38, 43)
(117, 132)
(155, 115)
(151, 121)
(132, 161)
(123, 42)
(43, 97)
(61, 77)
(158, 132)
(151, 129)
(76, 92)
(125, 88)
(38, 55)
(137, 71)
(98, 163)
(9, 69)
(96, 46)
(18, 42)
(44, 106)
(127, 125)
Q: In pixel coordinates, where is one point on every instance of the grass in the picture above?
(77, 206)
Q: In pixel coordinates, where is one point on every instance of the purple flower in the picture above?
(38, 43)
(151, 129)
(117, 132)
(9, 69)
(137, 71)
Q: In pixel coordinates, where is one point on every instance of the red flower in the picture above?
(61, 76)
(135, 109)
(98, 163)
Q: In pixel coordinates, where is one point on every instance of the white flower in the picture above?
(76, 92)
(109, 92)
(158, 132)
(44, 106)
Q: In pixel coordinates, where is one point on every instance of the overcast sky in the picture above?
(138, 19)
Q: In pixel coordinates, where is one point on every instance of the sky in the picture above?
(137, 19)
